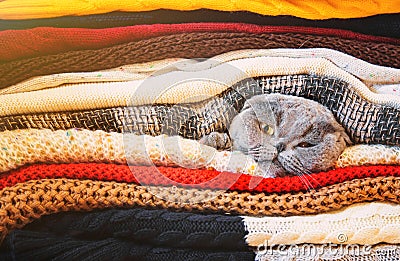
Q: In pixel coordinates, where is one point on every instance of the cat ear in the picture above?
(255, 100)
(332, 127)
(347, 139)
(328, 127)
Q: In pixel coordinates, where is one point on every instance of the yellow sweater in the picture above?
(311, 9)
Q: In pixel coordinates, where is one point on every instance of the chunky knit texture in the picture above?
(206, 179)
(206, 45)
(369, 155)
(50, 40)
(366, 224)
(13, 9)
(371, 75)
(30, 146)
(25, 202)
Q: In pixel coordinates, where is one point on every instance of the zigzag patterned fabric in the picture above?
(372, 123)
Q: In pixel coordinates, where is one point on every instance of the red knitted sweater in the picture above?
(192, 177)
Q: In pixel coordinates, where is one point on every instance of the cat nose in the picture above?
(280, 147)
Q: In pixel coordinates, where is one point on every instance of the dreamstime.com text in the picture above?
(311, 250)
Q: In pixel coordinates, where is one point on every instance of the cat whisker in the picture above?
(311, 177)
(304, 175)
(294, 166)
(258, 148)
(254, 154)
(291, 169)
(262, 153)
(306, 182)
(306, 172)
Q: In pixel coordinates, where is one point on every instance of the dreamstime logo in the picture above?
(342, 238)
(182, 99)
(310, 251)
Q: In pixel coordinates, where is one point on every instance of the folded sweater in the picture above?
(322, 9)
(50, 40)
(25, 202)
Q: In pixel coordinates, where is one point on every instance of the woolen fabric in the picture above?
(13, 9)
(166, 176)
(188, 45)
(51, 40)
(381, 25)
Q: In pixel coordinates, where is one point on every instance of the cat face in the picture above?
(288, 135)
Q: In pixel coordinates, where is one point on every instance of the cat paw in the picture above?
(217, 140)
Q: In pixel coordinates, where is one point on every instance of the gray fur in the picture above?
(300, 136)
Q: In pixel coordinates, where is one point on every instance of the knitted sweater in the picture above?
(30, 146)
(382, 25)
(207, 44)
(25, 202)
(68, 39)
(369, 74)
(14, 9)
(192, 178)
(113, 231)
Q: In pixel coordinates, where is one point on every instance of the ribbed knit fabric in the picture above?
(206, 44)
(14, 9)
(384, 25)
(50, 40)
(25, 202)
(371, 75)
(167, 176)
(55, 80)
(26, 245)
(356, 67)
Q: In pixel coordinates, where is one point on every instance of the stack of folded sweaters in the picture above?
(104, 106)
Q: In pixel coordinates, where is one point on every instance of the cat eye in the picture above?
(267, 129)
(305, 145)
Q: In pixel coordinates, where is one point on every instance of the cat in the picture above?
(286, 135)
